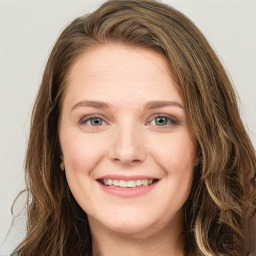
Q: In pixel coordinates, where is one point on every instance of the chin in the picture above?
(129, 228)
(128, 224)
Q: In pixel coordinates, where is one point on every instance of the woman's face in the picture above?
(122, 127)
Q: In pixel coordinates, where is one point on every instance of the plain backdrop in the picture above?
(28, 30)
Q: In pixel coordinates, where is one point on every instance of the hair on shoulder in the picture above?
(222, 197)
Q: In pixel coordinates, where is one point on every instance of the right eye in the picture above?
(92, 120)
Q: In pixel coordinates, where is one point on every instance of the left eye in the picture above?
(93, 121)
(163, 120)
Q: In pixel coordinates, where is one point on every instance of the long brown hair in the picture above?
(222, 198)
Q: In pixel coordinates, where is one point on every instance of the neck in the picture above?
(165, 242)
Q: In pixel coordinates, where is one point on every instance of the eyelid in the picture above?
(170, 117)
(84, 119)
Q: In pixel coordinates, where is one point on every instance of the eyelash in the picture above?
(89, 117)
(172, 120)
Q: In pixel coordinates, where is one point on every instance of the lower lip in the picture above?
(127, 192)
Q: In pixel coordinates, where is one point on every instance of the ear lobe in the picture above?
(196, 161)
(197, 157)
(62, 165)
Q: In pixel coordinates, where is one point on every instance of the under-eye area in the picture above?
(127, 183)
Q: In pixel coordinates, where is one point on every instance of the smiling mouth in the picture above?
(127, 183)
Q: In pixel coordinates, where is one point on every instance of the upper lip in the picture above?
(126, 177)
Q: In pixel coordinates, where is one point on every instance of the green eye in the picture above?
(160, 121)
(92, 121)
(95, 121)
(164, 120)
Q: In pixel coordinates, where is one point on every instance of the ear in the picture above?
(62, 164)
(196, 160)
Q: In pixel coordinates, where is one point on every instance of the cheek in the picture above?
(81, 152)
(176, 157)
(175, 154)
(81, 155)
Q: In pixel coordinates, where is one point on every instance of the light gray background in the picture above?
(28, 30)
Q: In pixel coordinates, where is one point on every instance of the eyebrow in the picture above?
(94, 104)
(149, 105)
(160, 104)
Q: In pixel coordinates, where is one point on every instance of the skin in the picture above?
(128, 141)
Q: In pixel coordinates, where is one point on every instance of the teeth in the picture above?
(131, 184)
(144, 182)
(122, 183)
(138, 183)
(115, 182)
(127, 184)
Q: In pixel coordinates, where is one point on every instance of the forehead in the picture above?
(118, 72)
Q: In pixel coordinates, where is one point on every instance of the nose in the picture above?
(127, 146)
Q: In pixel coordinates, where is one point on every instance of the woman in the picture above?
(136, 144)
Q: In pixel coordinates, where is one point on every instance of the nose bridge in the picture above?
(127, 144)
